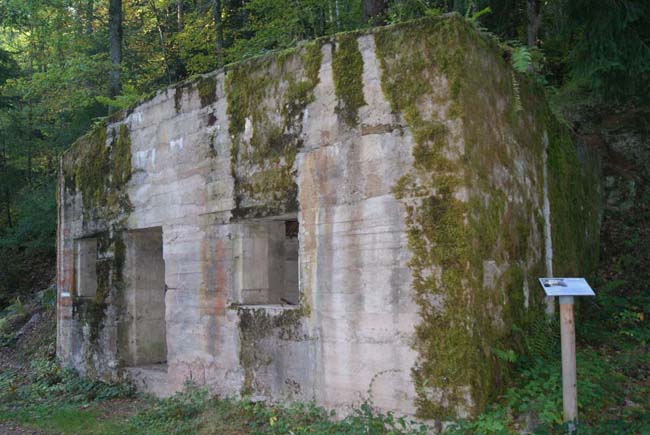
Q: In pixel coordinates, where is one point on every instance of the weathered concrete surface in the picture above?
(221, 164)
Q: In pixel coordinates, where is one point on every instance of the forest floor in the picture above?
(38, 397)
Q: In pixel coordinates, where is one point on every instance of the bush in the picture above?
(47, 382)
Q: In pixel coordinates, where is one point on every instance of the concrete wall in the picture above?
(219, 165)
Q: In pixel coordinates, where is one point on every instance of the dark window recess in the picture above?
(267, 262)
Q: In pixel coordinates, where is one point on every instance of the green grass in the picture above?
(68, 419)
(48, 397)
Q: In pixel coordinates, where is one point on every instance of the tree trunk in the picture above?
(373, 11)
(8, 208)
(338, 15)
(29, 146)
(179, 15)
(5, 190)
(29, 163)
(115, 47)
(534, 15)
(161, 36)
(218, 24)
(90, 14)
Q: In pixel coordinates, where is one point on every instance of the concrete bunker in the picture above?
(144, 341)
(294, 229)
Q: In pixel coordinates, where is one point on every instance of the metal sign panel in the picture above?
(566, 287)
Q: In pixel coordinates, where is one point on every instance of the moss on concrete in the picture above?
(92, 167)
(256, 325)
(347, 69)
(92, 312)
(121, 158)
(101, 172)
(457, 212)
(269, 95)
(207, 89)
(440, 245)
(575, 194)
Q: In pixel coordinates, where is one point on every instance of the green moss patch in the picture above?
(92, 312)
(270, 94)
(207, 89)
(121, 158)
(575, 195)
(101, 172)
(347, 68)
(256, 325)
(92, 166)
(450, 354)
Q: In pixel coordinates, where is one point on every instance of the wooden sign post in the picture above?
(569, 380)
(566, 289)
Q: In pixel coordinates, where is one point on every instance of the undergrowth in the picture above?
(613, 366)
(47, 383)
(194, 411)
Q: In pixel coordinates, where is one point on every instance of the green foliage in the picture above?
(494, 422)
(522, 59)
(11, 316)
(279, 24)
(48, 383)
(178, 414)
(191, 411)
(611, 52)
(35, 214)
(194, 411)
(410, 9)
(196, 43)
(612, 391)
(128, 99)
(474, 17)
(537, 395)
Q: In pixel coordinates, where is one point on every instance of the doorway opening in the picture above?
(144, 293)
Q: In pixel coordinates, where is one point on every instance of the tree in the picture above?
(218, 25)
(611, 49)
(115, 47)
(179, 15)
(90, 16)
(534, 15)
(373, 11)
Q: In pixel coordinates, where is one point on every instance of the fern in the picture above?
(508, 355)
(522, 59)
(543, 339)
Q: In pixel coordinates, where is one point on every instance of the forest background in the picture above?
(65, 64)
